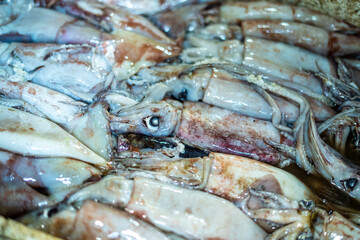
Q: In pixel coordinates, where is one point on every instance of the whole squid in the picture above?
(221, 174)
(205, 126)
(208, 83)
(166, 206)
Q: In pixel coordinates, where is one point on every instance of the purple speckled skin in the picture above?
(220, 130)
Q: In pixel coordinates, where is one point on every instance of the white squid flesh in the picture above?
(30, 135)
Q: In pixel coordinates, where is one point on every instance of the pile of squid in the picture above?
(177, 119)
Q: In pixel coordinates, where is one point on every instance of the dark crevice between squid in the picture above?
(193, 152)
(135, 142)
(142, 141)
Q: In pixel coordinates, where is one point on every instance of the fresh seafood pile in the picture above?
(178, 120)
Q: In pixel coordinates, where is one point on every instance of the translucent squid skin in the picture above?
(312, 38)
(210, 85)
(93, 221)
(283, 62)
(231, 175)
(152, 199)
(286, 62)
(57, 174)
(224, 175)
(28, 183)
(238, 11)
(89, 124)
(75, 70)
(52, 27)
(146, 7)
(125, 51)
(168, 207)
(110, 18)
(240, 94)
(30, 135)
(58, 108)
(17, 196)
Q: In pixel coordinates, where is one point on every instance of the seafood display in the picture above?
(178, 120)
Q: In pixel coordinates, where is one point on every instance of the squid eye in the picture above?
(182, 96)
(52, 212)
(152, 123)
(350, 183)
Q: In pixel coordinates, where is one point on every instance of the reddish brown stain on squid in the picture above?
(333, 44)
(28, 53)
(265, 30)
(134, 52)
(155, 110)
(188, 210)
(260, 8)
(268, 183)
(222, 169)
(242, 181)
(57, 227)
(32, 91)
(274, 30)
(134, 149)
(140, 214)
(131, 23)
